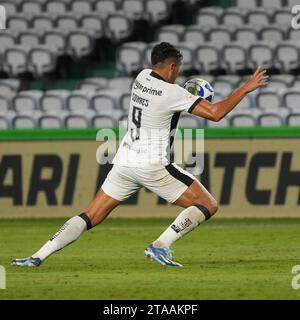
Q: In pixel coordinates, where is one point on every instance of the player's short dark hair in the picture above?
(163, 51)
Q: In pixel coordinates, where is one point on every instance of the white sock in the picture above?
(186, 221)
(67, 234)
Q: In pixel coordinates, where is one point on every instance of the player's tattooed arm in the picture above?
(218, 110)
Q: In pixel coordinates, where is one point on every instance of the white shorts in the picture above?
(169, 182)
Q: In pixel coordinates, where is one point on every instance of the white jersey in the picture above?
(154, 112)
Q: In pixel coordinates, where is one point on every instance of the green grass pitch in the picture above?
(223, 259)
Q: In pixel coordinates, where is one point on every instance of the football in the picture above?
(200, 87)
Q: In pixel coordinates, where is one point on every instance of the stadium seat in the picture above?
(157, 10)
(207, 58)
(282, 17)
(103, 122)
(288, 57)
(134, 7)
(231, 18)
(93, 84)
(76, 121)
(260, 55)
(11, 85)
(118, 26)
(130, 57)
(5, 103)
(57, 39)
(257, 17)
(56, 6)
(222, 86)
(122, 83)
(11, 8)
(31, 7)
(270, 120)
(49, 122)
(194, 34)
(245, 34)
(42, 22)
(187, 50)
(234, 58)
(80, 44)
(67, 21)
(272, 4)
(249, 4)
(7, 39)
(291, 99)
(170, 33)
(125, 102)
(271, 34)
(81, 6)
(293, 35)
(23, 122)
(54, 101)
(29, 37)
(106, 6)
(293, 119)
(188, 121)
(27, 101)
(78, 101)
(93, 22)
(17, 22)
(207, 19)
(219, 35)
(291, 3)
(269, 101)
(41, 60)
(4, 124)
(224, 123)
(242, 120)
(15, 60)
(287, 78)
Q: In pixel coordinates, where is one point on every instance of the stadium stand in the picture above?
(70, 40)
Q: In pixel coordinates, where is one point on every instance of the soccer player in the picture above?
(143, 158)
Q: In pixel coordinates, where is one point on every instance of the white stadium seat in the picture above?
(291, 99)
(245, 34)
(54, 101)
(157, 9)
(4, 124)
(29, 37)
(67, 21)
(49, 122)
(207, 19)
(234, 57)
(271, 34)
(118, 26)
(288, 57)
(93, 84)
(270, 120)
(23, 122)
(232, 18)
(31, 7)
(188, 121)
(273, 4)
(57, 39)
(102, 122)
(293, 119)
(93, 22)
(106, 6)
(80, 43)
(170, 33)
(27, 101)
(41, 60)
(220, 35)
(258, 17)
(56, 6)
(42, 22)
(5, 103)
(282, 17)
(78, 101)
(242, 120)
(260, 55)
(10, 7)
(249, 4)
(194, 34)
(125, 102)
(207, 58)
(122, 83)
(81, 6)
(15, 60)
(130, 57)
(17, 22)
(134, 7)
(76, 121)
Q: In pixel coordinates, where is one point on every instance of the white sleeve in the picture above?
(181, 100)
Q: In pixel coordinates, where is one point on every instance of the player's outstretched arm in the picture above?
(217, 111)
